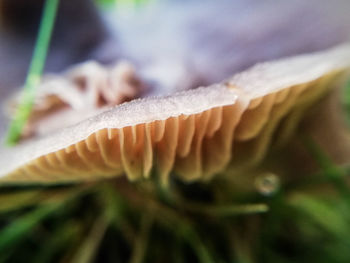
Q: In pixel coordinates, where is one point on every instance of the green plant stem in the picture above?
(14, 232)
(35, 72)
(332, 172)
(346, 102)
(140, 246)
(87, 251)
(227, 210)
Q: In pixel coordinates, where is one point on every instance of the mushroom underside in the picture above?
(194, 133)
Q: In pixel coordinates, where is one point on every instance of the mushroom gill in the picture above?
(195, 133)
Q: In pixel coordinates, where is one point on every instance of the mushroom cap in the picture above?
(195, 133)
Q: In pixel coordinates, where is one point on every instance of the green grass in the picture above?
(125, 3)
(35, 71)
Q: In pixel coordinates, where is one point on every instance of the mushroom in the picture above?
(80, 92)
(195, 133)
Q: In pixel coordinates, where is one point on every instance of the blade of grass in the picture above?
(323, 213)
(63, 236)
(17, 230)
(193, 239)
(114, 209)
(140, 245)
(346, 102)
(34, 73)
(131, 4)
(17, 200)
(227, 210)
(331, 170)
(89, 247)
